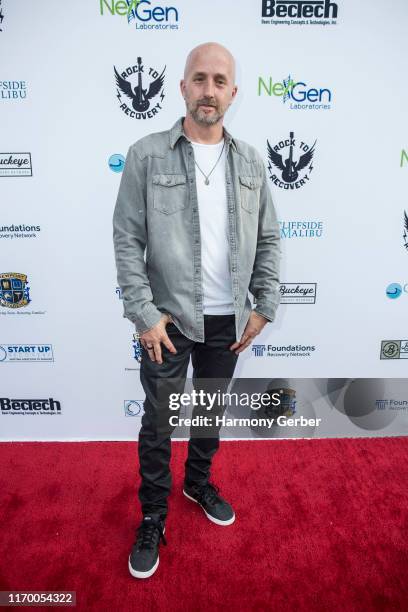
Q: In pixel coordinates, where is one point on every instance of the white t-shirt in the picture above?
(212, 208)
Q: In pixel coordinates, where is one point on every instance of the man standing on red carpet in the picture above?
(194, 201)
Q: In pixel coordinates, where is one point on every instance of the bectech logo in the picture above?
(48, 406)
(299, 12)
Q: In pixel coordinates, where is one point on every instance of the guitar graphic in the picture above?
(290, 169)
(140, 97)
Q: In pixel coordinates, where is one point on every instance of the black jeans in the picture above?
(210, 359)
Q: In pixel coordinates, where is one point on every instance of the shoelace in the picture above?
(146, 534)
(208, 493)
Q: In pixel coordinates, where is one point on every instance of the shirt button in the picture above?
(234, 268)
(191, 181)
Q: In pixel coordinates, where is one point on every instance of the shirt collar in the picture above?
(177, 132)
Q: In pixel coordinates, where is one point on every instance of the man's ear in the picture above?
(182, 87)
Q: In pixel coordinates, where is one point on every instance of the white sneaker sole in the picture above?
(211, 518)
(149, 572)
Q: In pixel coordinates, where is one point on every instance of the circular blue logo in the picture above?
(133, 408)
(3, 353)
(116, 162)
(393, 291)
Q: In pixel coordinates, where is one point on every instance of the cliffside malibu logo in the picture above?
(14, 290)
(142, 98)
(294, 174)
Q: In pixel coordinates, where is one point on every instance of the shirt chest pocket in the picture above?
(249, 192)
(170, 192)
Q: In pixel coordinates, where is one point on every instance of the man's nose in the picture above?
(209, 89)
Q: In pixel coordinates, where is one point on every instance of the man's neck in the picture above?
(205, 134)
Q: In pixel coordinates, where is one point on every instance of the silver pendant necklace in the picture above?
(207, 176)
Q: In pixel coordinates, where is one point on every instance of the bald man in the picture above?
(194, 231)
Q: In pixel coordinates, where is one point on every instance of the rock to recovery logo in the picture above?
(292, 169)
(143, 87)
(405, 234)
(14, 291)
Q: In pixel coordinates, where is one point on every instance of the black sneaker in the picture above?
(215, 507)
(144, 558)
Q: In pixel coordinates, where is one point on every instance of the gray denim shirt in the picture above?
(157, 242)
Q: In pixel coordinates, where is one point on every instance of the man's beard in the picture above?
(200, 116)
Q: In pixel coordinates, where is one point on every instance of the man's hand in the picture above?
(152, 338)
(255, 325)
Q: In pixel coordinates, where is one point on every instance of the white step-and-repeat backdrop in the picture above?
(320, 82)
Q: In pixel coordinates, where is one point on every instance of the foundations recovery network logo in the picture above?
(143, 86)
(15, 164)
(301, 229)
(290, 162)
(391, 404)
(12, 231)
(142, 14)
(14, 290)
(298, 293)
(297, 95)
(291, 350)
(394, 349)
(299, 12)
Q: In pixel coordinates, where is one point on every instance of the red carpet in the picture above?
(321, 525)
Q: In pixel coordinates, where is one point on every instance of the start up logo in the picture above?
(143, 14)
(297, 95)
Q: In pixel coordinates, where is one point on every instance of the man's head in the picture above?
(208, 86)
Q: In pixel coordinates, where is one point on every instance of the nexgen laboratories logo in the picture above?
(142, 14)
